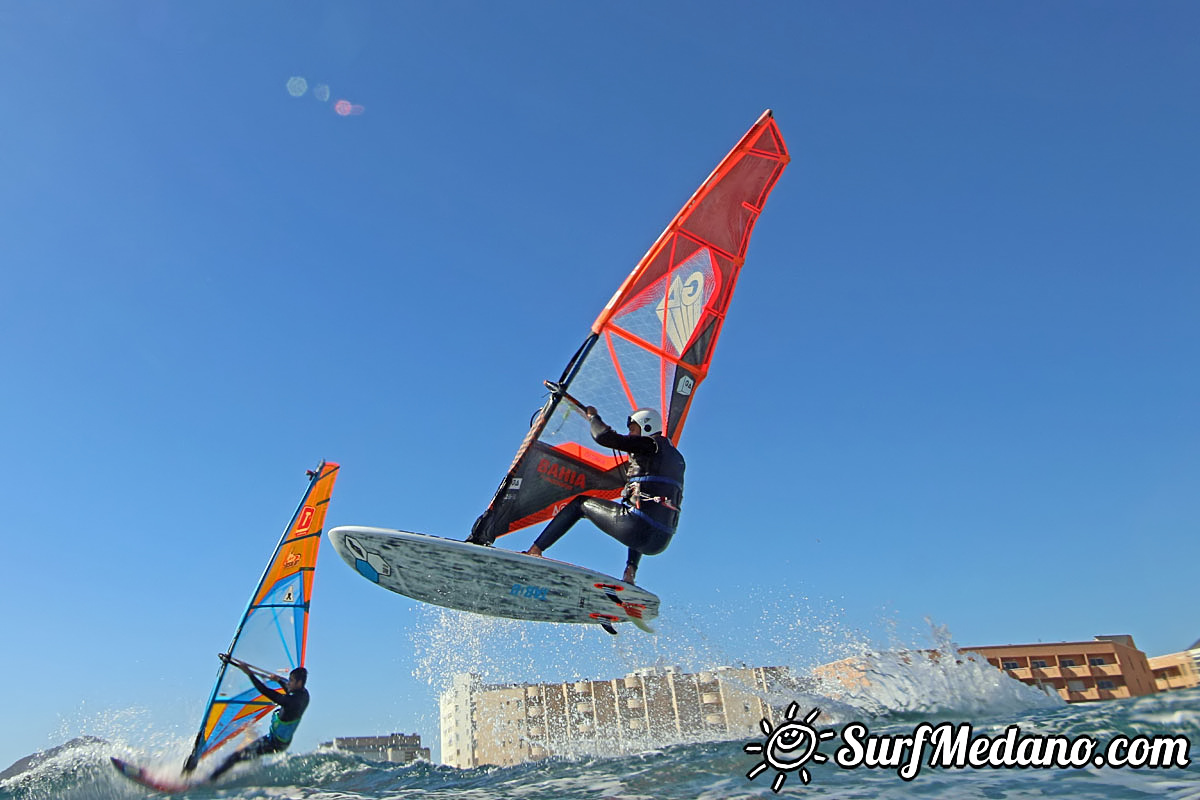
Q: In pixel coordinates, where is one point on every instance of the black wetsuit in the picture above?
(283, 725)
(645, 519)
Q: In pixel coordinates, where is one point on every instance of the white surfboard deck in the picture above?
(490, 580)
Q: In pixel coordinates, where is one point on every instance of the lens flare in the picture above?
(347, 109)
(297, 86)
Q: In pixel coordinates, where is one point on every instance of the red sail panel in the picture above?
(652, 344)
(673, 303)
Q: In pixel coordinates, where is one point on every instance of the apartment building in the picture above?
(1106, 668)
(513, 723)
(397, 747)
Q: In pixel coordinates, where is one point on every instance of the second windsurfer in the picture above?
(292, 704)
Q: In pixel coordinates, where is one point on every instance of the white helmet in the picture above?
(649, 420)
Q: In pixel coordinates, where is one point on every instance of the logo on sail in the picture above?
(682, 307)
(306, 517)
(561, 475)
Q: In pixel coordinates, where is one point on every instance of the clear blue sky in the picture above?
(959, 380)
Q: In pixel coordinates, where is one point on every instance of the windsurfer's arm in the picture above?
(607, 437)
(274, 696)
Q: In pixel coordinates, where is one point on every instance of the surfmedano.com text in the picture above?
(956, 747)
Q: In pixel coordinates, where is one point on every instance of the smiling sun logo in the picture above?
(789, 747)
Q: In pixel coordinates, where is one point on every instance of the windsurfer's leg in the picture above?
(264, 745)
(237, 756)
(561, 523)
(616, 520)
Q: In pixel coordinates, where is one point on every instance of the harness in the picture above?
(636, 498)
(283, 731)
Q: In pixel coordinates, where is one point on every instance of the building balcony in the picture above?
(1045, 672)
(535, 711)
(711, 698)
(1105, 669)
(635, 702)
(585, 707)
(714, 719)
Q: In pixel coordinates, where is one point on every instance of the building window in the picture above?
(1096, 661)
(1009, 664)
(1038, 663)
(1066, 662)
(1105, 685)
(1076, 686)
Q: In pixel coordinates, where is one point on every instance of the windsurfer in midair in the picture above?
(284, 721)
(645, 519)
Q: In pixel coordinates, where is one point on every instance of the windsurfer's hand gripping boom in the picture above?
(251, 669)
(587, 411)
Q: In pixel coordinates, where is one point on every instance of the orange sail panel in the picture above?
(652, 344)
(273, 631)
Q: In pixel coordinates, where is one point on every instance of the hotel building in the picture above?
(1106, 668)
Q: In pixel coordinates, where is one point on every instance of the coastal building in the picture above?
(397, 747)
(1106, 668)
(512, 723)
(1177, 670)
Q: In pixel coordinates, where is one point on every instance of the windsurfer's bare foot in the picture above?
(534, 551)
(630, 574)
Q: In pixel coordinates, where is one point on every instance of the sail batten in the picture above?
(659, 331)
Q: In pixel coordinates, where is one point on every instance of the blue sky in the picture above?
(958, 381)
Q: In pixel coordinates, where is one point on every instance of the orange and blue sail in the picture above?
(652, 344)
(274, 629)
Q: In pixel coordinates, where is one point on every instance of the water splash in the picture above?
(899, 677)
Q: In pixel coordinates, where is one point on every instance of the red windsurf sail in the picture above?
(652, 344)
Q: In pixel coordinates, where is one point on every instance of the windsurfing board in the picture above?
(141, 776)
(491, 580)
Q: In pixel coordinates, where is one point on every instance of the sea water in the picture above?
(903, 694)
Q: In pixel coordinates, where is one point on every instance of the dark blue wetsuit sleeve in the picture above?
(290, 705)
(607, 437)
(278, 698)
